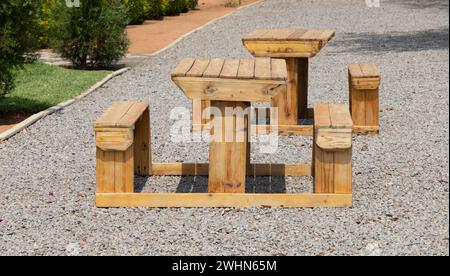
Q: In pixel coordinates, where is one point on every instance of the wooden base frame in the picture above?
(222, 200)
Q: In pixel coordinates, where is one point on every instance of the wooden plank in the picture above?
(277, 34)
(287, 101)
(183, 67)
(372, 108)
(230, 69)
(279, 69)
(302, 88)
(142, 146)
(108, 172)
(297, 34)
(312, 35)
(214, 68)
(327, 35)
(355, 71)
(369, 70)
(133, 114)
(116, 139)
(343, 172)
(299, 130)
(357, 107)
(284, 49)
(230, 89)
(323, 171)
(263, 69)
(340, 116)
(202, 169)
(123, 171)
(322, 116)
(113, 114)
(257, 34)
(228, 159)
(223, 200)
(198, 68)
(246, 69)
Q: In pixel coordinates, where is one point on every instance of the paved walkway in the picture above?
(47, 175)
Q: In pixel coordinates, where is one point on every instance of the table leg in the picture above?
(228, 153)
(287, 101)
(302, 82)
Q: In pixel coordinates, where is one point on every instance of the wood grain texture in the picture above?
(231, 200)
(263, 69)
(230, 69)
(183, 67)
(246, 69)
(198, 68)
(214, 68)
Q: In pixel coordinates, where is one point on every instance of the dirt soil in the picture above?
(154, 35)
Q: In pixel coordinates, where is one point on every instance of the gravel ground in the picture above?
(47, 174)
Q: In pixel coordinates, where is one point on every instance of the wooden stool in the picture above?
(122, 137)
(364, 83)
(296, 46)
(332, 152)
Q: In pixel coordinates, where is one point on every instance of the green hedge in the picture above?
(19, 31)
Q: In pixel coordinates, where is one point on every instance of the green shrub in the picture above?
(44, 23)
(18, 38)
(137, 10)
(91, 35)
(155, 10)
(174, 7)
(191, 4)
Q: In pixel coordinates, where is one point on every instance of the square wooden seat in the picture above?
(283, 43)
(364, 83)
(122, 138)
(333, 148)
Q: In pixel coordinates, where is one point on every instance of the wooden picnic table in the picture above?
(230, 83)
(296, 46)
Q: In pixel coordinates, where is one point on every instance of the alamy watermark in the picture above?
(73, 3)
(228, 125)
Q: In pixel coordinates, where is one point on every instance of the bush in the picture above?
(155, 10)
(137, 10)
(91, 35)
(44, 22)
(174, 7)
(191, 4)
(18, 38)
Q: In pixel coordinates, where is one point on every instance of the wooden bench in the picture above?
(122, 138)
(332, 149)
(296, 46)
(364, 83)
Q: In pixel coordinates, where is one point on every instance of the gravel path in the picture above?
(47, 174)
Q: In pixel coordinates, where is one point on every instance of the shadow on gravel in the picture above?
(423, 4)
(190, 184)
(434, 39)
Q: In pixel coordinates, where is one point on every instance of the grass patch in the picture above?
(40, 86)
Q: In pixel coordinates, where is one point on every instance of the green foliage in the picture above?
(191, 4)
(155, 10)
(91, 35)
(18, 38)
(174, 7)
(137, 10)
(44, 22)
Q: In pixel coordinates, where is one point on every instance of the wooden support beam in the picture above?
(223, 200)
(201, 169)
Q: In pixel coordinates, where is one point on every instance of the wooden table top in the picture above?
(259, 69)
(287, 42)
(231, 79)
